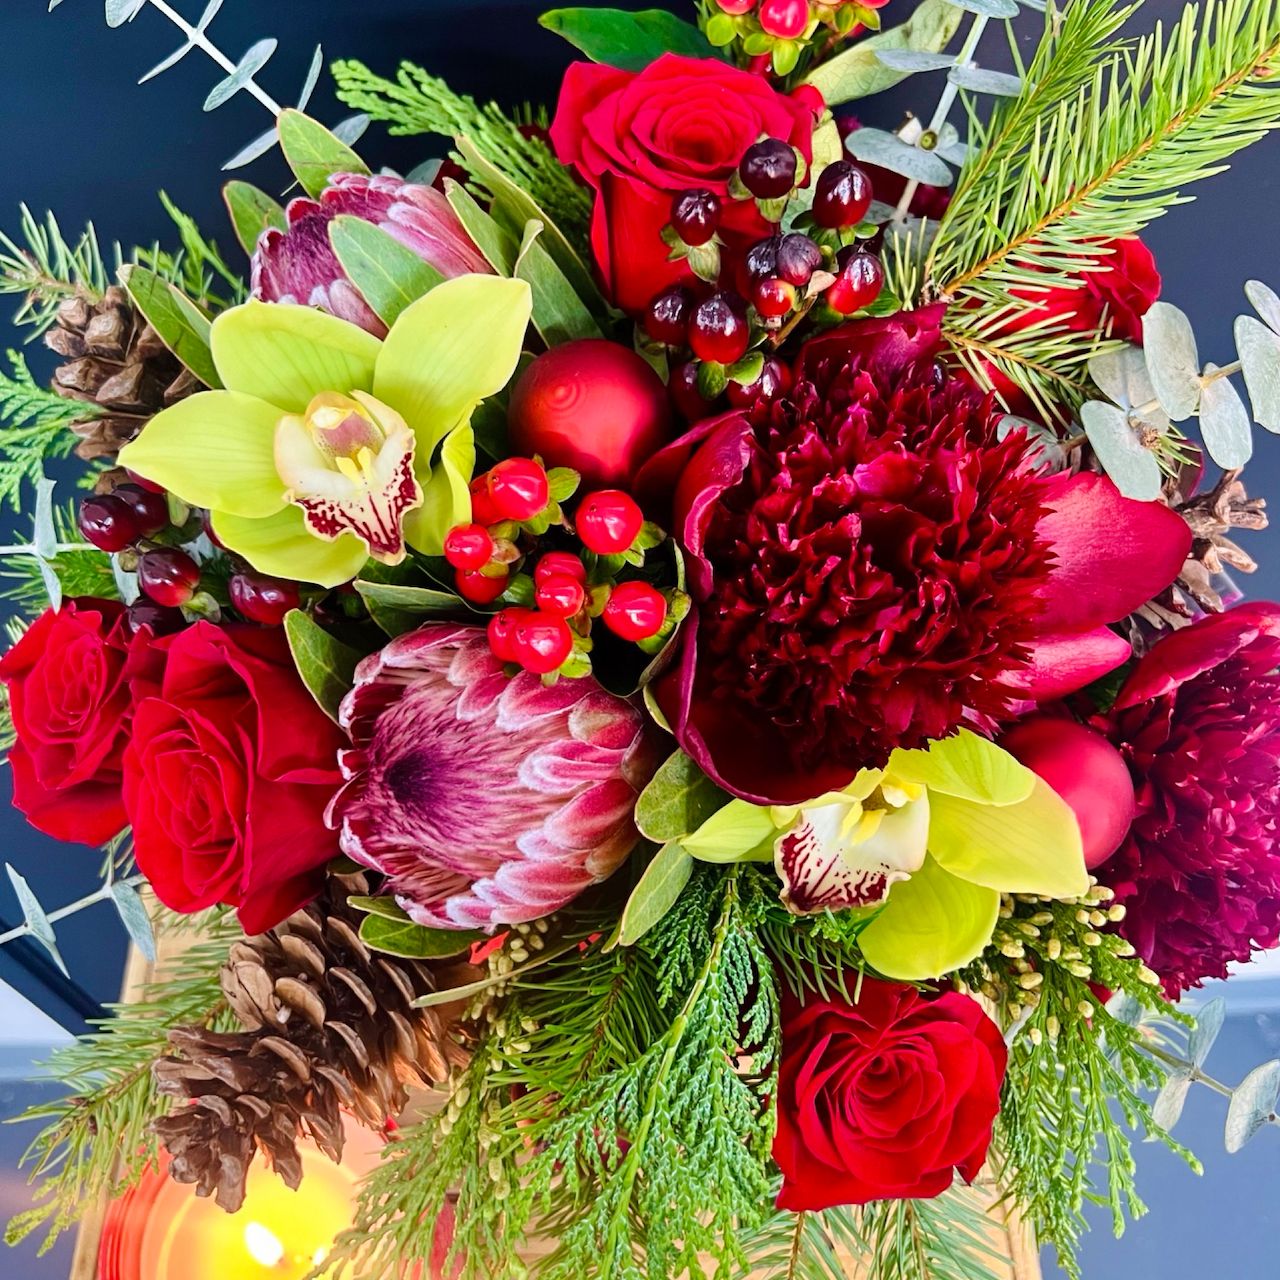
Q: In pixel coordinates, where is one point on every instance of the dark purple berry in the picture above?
(109, 522)
(666, 319)
(761, 260)
(842, 196)
(768, 169)
(695, 216)
(720, 330)
(151, 508)
(262, 599)
(161, 620)
(683, 391)
(774, 381)
(798, 258)
(169, 576)
(859, 283)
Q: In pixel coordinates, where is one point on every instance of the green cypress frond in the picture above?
(34, 425)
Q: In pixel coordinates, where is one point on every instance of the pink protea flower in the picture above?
(485, 800)
(299, 265)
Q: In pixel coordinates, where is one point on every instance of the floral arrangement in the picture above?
(697, 627)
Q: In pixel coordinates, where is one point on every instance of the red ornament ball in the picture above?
(1086, 771)
(609, 522)
(592, 405)
(635, 611)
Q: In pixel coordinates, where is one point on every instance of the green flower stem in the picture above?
(28, 549)
(99, 895)
(1225, 372)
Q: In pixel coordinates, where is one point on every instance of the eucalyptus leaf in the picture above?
(1122, 375)
(875, 146)
(559, 314)
(1134, 469)
(388, 276)
(327, 666)
(657, 892)
(313, 78)
(1265, 301)
(1259, 351)
(202, 25)
(134, 917)
(1173, 363)
(980, 80)
(121, 11)
(1166, 1110)
(678, 800)
(989, 8)
(178, 322)
(415, 941)
(252, 212)
(248, 67)
(1225, 425)
(1125, 1009)
(314, 153)
(36, 918)
(253, 150)
(628, 41)
(914, 59)
(1209, 1022)
(353, 128)
(44, 533)
(1253, 1103)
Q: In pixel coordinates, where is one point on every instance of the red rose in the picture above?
(639, 139)
(227, 776)
(886, 1098)
(69, 696)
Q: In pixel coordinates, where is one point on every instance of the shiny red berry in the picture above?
(262, 599)
(560, 594)
(682, 389)
(798, 258)
(761, 260)
(736, 7)
(784, 19)
(541, 642)
(519, 488)
(635, 611)
(109, 522)
(502, 628)
(768, 167)
(720, 330)
(483, 510)
(142, 482)
(774, 381)
(162, 621)
(468, 546)
(774, 297)
(479, 588)
(560, 562)
(695, 215)
(666, 318)
(169, 576)
(609, 522)
(151, 508)
(842, 196)
(858, 285)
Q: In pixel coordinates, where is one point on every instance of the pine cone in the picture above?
(115, 360)
(330, 1025)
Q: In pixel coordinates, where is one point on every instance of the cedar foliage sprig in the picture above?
(97, 1140)
(86, 572)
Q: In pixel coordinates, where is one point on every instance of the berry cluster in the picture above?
(780, 30)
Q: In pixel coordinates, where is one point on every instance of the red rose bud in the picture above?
(150, 508)
(109, 522)
(561, 595)
(169, 576)
(695, 215)
(785, 20)
(858, 285)
(556, 563)
(479, 587)
(262, 599)
(719, 330)
(843, 195)
(519, 488)
(541, 642)
(768, 168)
(635, 611)
(609, 522)
(483, 510)
(502, 627)
(468, 546)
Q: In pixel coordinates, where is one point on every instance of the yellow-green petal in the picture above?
(446, 497)
(1030, 847)
(965, 765)
(732, 833)
(214, 449)
(282, 546)
(933, 924)
(287, 354)
(450, 349)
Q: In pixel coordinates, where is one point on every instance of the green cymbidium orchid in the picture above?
(319, 453)
(928, 843)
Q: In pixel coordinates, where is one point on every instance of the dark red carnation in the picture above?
(69, 697)
(884, 1099)
(227, 776)
(1198, 722)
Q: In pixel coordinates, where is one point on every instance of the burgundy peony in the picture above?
(227, 775)
(485, 800)
(886, 1098)
(299, 265)
(639, 139)
(1198, 722)
(874, 567)
(69, 698)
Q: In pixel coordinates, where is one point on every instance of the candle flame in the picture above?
(264, 1247)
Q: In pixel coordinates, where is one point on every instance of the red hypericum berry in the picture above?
(842, 196)
(774, 381)
(768, 167)
(609, 521)
(736, 7)
(262, 599)
(541, 642)
(468, 546)
(169, 576)
(478, 587)
(784, 19)
(209, 533)
(798, 258)
(143, 483)
(560, 594)
(682, 389)
(502, 628)
(519, 488)
(162, 621)
(695, 215)
(720, 330)
(666, 319)
(774, 297)
(560, 562)
(858, 285)
(761, 260)
(635, 611)
(482, 509)
(151, 508)
(109, 522)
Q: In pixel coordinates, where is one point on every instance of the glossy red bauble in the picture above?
(541, 642)
(635, 611)
(262, 599)
(608, 522)
(479, 588)
(168, 576)
(519, 488)
(502, 627)
(592, 405)
(468, 546)
(560, 562)
(560, 594)
(1086, 771)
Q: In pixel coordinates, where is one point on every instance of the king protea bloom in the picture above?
(319, 451)
(484, 800)
(299, 265)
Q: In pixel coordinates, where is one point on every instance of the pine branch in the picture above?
(46, 269)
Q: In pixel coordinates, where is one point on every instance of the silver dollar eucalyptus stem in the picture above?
(102, 894)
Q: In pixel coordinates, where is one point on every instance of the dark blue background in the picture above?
(82, 139)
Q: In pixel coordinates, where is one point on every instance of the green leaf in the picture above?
(1259, 350)
(134, 917)
(36, 918)
(1252, 1104)
(387, 907)
(327, 666)
(629, 41)
(415, 941)
(313, 153)
(1209, 1022)
(422, 602)
(388, 276)
(499, 248)
(968, 766)
(678, 800)
(559, 314)
(737, 832)
(1169, 344)
(657, 892)
(858, 71)
(875, 146)
(1225, 425)
(178, 322)
(252, 212)
(933, 923)
(1134, 468)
